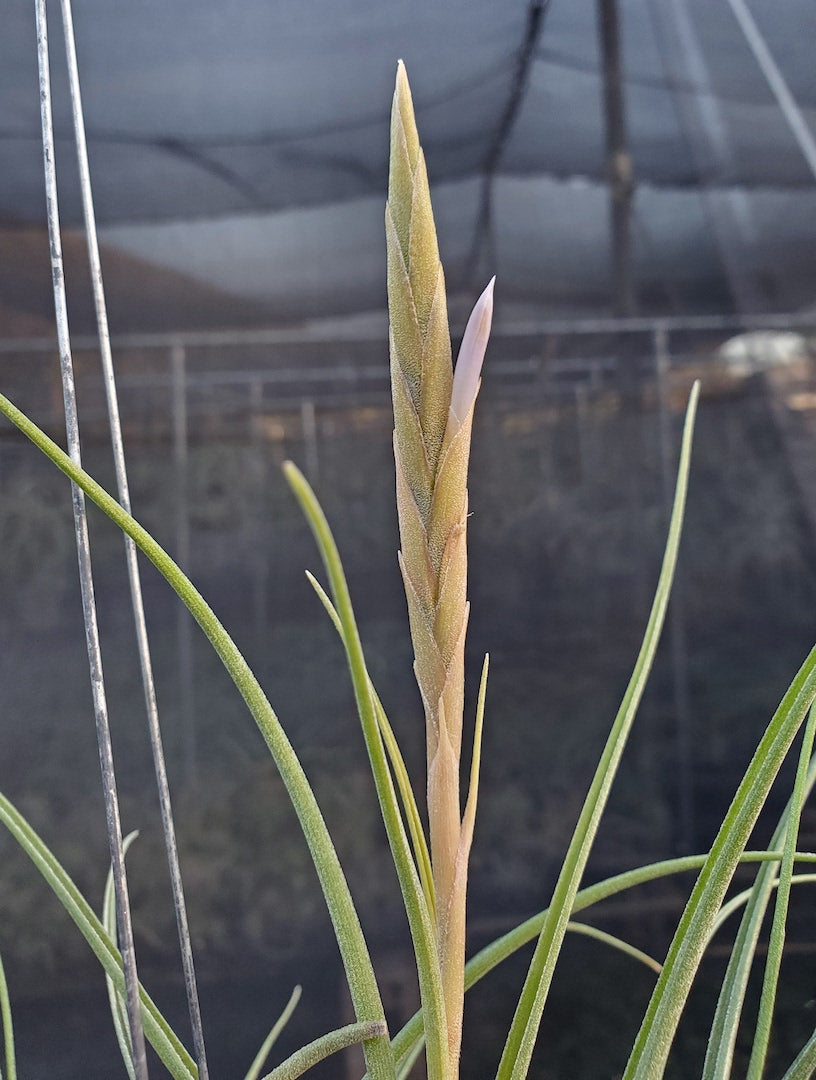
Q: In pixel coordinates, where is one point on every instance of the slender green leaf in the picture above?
(254, 1070)
(419, 843)
(469, 816)
(162, 1038)
(776, 941)
(8, 1029)
(422, 856)
(356, 961)
(723, 1036)
(115, 1000)
(741, 899)
(734, 903)
(656, 1034)
(407, 1063)
(317, 1051)
(518, 1049)
(422, 929)
(406, 1040)
(804, 1066)
(616, 943)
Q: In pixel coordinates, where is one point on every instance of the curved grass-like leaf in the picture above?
(488, 958)
(723, 1036)
(7, 1027)
(161, 1036)
(254, 1070)
(469, 816)
(615, 942)
(416, 831)
(314, 1052)
(356, 961)
(741, 899)
(776, 941)
(422, 929)
(804, 1065)
(407, 1063)
(518, 1050)
(117, 1005)
(419, 843)
(654, 1040)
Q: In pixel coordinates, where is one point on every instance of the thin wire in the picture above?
(705, 135)
(114, 828)
(775, 80)
(318, 333)
(134, 578)
(483, 240)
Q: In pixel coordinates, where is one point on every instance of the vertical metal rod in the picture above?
(178, 363)
(114, 827)
(776, 82)
(483, 246)
(134, 578)
(618, 161)
(676, 614)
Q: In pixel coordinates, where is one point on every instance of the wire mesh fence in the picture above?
(574, 453)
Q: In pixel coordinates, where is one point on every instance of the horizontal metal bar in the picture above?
(343, 373)
(333, 333)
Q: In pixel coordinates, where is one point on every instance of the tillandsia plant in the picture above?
(433, 415)
(433, 412)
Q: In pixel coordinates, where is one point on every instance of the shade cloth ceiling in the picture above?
(244, 144)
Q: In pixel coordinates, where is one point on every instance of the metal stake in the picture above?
(134, 578)
(123, 920)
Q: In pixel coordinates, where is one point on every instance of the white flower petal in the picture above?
(471, 355)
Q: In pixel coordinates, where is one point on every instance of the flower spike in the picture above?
(433, 413)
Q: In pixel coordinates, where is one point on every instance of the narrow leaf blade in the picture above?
(518, 1050)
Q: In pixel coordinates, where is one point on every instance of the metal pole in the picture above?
(528, 327)
(143, 646)
(483, 248)
(618, 160)
(100, 706)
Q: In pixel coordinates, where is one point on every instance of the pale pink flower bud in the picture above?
(471, 355)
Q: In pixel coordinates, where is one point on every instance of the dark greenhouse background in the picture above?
(651, 218)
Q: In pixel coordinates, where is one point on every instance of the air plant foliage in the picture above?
(433, 415)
